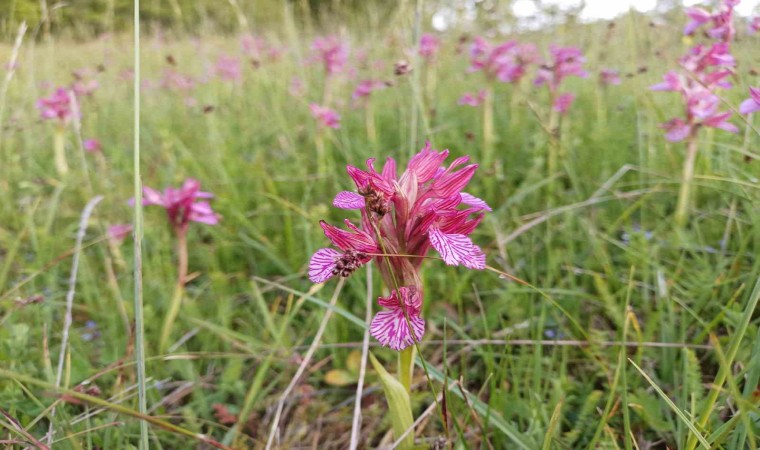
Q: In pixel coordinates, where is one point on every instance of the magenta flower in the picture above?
(365, 88)
(563, 102)
(228, 68)
(92, 145)
(252, 46)
(332, 52)
(754, 25)
(84, 88)
(697, 18)
(705, 70)
(182, 205)
(566, 62)
(117, 233)
(429, 45)
(507, 62)
(471, 99)
(610, 77)
(752, 104)
(672, 81)
(390, 326)
(402, 219)
(722, 26)
(175, 81)
(58, 106)
(326, 116)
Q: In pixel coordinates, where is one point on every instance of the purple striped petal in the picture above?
(391, 329)
(456, 249)
(475, 202)
(348, 200)
(322, 264)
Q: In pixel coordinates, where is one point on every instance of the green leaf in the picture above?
(398, 402)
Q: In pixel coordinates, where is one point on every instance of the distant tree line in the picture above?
(85, 18)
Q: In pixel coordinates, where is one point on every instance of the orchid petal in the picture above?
(475, 202)
(391, 329)
(322, 264)
(456, 249)
(348, 200)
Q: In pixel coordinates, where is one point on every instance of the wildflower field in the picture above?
(368, 233)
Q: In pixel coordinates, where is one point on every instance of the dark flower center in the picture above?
(349, 262)
(375, 200)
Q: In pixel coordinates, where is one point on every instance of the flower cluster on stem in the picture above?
(704, 70)
(403, 217)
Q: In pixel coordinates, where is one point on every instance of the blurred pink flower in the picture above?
(117, 233)
(705, 70)
(676, 130)
(228, 68)
(326, 116)
(506, 62)
(252, 46)
(333, 53)
(470, 99)
(175, 81)
(754, 25)
(752, 104)
(609, 77)
(184, 205)
(563, 102)
(84, 88)
(566, 62)
(429, 45)
(404, 215)
(57, 106)
(92, 145)
(721, 20)
(366, 87)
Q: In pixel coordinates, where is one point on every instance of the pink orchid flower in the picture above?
(184, 205)
(366, 87)
(563, 102)
(333, 53)
(705, 69)
(228, 68)
(326, 116)
(754, 25)
(506, 62)
(752, 104)
(402, 219)
(92, 145)
(566, 62)
(429, 45)
(471, 99)
(117, 233)
(175, 81)
(57, 106)
(609, 77)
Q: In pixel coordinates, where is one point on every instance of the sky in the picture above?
(609, 9)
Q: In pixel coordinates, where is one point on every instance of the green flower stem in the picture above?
(179, 290)
(488, 127)
(687, 180)
(59, 149)
(406, 366)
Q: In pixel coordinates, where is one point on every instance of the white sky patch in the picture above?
(609, 9)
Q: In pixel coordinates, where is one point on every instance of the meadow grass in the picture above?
(623, 330)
